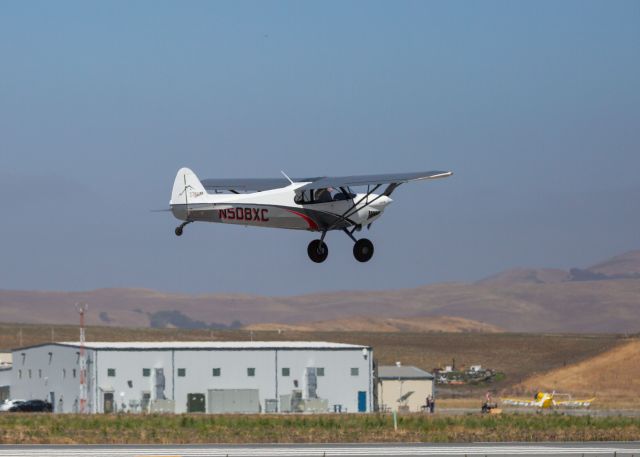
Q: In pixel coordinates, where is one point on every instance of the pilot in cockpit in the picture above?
(323, 195)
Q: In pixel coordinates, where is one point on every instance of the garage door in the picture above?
(233, 401)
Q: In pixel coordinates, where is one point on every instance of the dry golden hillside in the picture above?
(381, 324)
(604, 298)
(613, 377)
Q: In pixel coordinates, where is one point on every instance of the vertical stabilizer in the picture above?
(187, 188)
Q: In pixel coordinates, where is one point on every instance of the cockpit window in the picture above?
(324, 195)
(304, 197)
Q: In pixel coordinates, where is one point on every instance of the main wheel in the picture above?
(318, 251)
(178, 231)
(363, 250)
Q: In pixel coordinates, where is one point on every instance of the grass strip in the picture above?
(325, 428)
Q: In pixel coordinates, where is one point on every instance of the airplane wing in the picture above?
(394, 179)
(518, 402)
(249, 184)
(575, 403)
(262, 184)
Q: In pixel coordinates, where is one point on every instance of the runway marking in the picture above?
(269, 451)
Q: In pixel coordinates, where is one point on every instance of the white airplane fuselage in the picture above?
(276, 208)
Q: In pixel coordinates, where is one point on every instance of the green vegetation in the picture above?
(166, 429)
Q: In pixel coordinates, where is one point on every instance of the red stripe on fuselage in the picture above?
(311, 222)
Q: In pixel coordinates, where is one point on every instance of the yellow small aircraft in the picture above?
(546, 400)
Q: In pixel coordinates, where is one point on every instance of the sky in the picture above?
(535, 106)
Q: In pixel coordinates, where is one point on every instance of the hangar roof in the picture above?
(211, 345)
(401, 372)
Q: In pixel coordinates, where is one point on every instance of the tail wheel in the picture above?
(363, 250)
(318, 251)
(178, 231)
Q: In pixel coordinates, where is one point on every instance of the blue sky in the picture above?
(534, 105)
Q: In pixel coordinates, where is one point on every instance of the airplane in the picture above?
(319, 204)
(546, 400)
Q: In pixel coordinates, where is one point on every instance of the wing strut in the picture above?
(390, 188)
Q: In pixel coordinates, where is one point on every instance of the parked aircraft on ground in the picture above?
(317, 204)
(546, 400)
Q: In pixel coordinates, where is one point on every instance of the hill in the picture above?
(383, 324)
(609, 376)
(622, 266)
(601, 298)
(526, 275)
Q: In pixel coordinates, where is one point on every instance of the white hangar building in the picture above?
(212, 377)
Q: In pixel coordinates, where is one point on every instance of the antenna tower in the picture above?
(82, 309)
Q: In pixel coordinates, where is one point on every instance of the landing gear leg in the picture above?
(179, 228)
(318, 250)
(362, 248)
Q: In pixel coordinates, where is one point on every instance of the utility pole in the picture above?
(82, 309)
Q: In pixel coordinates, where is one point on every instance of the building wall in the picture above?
(39, 372)
(337, 385)
(5, 383)
(128, 385)
(389, 390)
(5, 376)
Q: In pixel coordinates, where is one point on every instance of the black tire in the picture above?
(178, 231)
(363, 250)
(318, 251)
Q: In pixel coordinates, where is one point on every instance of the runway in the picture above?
(328, 450)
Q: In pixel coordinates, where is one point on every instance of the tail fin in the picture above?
(187, 188)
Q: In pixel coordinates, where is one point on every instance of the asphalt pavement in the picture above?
(328, 450)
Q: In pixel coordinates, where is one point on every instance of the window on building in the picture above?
(19, 374)
(285, 372)
(64, 373)
(251, 371)
(146, 372)
(216, 372)
(182, 372)
(111, 372)
(320, 371)
(40, 373)
(74, 372)
(29, 373)
(355, 371)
